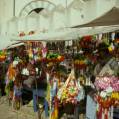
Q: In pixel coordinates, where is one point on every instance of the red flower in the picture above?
(87, 38)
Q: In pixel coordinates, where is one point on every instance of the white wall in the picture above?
(20, 4)
(91, 10)
(104, 5)
(6, 10)
(88, 12)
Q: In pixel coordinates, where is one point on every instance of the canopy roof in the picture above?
(67, 33)
(109, 18)
(5, 42)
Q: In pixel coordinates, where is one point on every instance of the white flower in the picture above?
(25, 72)
(15, 63)
(109, 90)
(103, 94)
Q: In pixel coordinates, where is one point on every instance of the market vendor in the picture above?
(103, 57)
(38, 84)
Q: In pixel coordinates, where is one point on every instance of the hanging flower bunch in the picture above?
(87, 38)
(11, 72)
(87, 42)
(88, 45)
(3, 55)
(54, 57)
(12, 69)
(35, 50)
(80, 61)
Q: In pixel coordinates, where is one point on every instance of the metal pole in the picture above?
(14, 8)
(66, 14)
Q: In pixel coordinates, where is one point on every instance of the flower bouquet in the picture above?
(104, 82)
(115, 98)
(54, 57)
(109, 96)
(3, 56)
(69, 91)
(80, 61)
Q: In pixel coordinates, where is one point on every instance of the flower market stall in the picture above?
(61, 71)
(65, 76)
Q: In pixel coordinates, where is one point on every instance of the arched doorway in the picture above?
(37, 6)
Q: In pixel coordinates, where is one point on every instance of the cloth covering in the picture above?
(90, 108)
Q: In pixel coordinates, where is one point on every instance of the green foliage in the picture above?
(79, 57)
(52, 55)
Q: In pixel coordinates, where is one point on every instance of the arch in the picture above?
(35, 5)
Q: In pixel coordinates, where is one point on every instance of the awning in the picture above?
(67, 34)
(5, 41)
(109, 18)
(15, 45)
